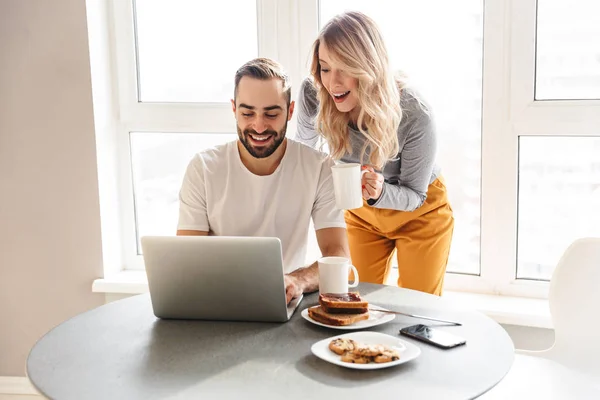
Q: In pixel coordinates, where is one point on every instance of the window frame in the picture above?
(286, 30)
(136, 116)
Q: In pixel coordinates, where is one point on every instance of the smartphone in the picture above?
(436, 337)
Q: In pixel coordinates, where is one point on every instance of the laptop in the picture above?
(217, 278)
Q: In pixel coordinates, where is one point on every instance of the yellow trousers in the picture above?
(421, 238)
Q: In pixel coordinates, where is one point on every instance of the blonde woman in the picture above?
(367, 115)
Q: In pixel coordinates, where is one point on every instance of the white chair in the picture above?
(570, 369)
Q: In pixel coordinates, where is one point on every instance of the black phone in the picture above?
(436, 337)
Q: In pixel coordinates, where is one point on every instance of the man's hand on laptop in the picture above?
(302, 280)
(293, 287)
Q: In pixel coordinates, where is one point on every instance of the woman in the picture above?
(366, 115)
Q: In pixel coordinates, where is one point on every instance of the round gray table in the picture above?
(122, 351)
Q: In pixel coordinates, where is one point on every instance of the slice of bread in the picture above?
(345, 303)
(320, 315)
(344, 310)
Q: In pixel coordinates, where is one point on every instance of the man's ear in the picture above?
(291, 110)
(233, 105)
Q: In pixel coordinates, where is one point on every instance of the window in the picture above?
(172, 62)
(568, 50)
(158, 161)
(559, 196)
(168, 110)
(513, 84)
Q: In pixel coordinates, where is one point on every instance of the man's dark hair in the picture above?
(264, 69)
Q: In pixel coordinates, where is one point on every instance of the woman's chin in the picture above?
(341, 107)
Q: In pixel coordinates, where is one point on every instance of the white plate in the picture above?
(407, 350)
(375, 318)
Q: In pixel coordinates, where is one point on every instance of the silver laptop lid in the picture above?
(216, 277)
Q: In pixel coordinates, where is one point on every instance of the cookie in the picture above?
(388, 355)
(350, 357)
(340, 346)
(369, 350)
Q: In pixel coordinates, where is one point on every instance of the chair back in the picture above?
(574, 299)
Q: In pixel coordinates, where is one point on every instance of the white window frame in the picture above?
(135, 116)
(510, 111)
(286, 30)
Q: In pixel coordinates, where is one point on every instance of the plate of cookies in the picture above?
(365, 350)
(346, 311)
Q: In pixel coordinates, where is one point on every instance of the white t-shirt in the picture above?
(221, 196)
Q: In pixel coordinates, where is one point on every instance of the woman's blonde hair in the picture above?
(354, 42)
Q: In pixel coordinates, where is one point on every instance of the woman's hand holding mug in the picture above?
(372, 183)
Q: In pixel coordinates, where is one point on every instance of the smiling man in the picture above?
(264, 184)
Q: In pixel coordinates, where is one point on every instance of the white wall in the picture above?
(50, 247)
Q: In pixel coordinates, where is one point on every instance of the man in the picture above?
(264, 184)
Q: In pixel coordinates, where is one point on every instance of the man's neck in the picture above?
(262, 166)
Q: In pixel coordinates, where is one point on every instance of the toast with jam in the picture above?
(343, 303)
(319, 314)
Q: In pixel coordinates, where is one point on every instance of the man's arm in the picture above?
(184, 232)
(332, 242)
(193, 212)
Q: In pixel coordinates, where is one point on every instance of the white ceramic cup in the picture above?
(333, 275)
(347, 185)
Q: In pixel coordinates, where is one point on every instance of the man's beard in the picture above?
(263, 151)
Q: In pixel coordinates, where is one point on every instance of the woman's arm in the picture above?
(417, 160)
(306, 108)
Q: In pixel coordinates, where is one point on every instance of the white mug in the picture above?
(333, 275)
(347, 185)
